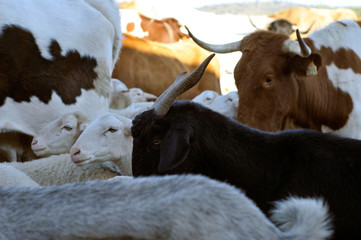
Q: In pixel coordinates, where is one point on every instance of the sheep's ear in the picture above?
(174, 150)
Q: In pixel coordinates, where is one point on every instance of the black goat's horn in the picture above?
(179, 86)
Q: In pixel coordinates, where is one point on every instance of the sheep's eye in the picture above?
(156, 141)
(208, 98)
(112, 130)
(68, 128)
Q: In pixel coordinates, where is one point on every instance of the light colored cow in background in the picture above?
(316, 18)
(53, 61)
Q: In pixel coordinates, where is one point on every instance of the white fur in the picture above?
(121, 97)
(10, 176)
(107, 138)
(337, 36)
(226, 104)
(91, 27)
(173, 207)
(132, 110)
(59, 135)
(59, 169)
(206, 97)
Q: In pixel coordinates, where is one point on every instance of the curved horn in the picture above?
(309, 28)
(250, 20)
(221, 48)
(179, 86)
(298, 47)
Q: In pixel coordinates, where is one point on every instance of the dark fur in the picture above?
(267, 166)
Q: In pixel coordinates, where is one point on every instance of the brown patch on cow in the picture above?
(342, 58)
(130, 27)
(18, 142)
(25, 73)
(359, 22)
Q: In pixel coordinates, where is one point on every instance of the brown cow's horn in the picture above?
(222, 48)
(179, 86)
(305, 51)
(298, 47)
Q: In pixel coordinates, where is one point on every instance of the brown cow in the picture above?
(153, 66)
(310, 83)
(166, 30)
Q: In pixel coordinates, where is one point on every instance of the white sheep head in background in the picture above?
(121, 97)
(206, 97)
(59, 135)
(226, 104)
(107, 138)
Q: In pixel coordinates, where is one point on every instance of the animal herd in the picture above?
(118, 129)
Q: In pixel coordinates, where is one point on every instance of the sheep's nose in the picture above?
(74, 151)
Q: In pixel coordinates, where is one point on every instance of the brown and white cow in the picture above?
(152, 66)
(309, 83)
(56, 56)
(166, 30)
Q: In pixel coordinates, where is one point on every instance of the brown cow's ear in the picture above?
(308, 66)
(174, 150)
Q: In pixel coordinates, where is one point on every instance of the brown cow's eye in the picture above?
(156, 141)
(269, 79)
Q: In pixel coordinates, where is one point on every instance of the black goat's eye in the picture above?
(156, 141)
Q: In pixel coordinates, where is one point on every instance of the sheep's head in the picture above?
(107, 138)
(59, 135)
(159, 144)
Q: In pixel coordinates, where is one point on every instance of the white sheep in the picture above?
(206, 97)
(154, 208)
(11, 176)
(121, 97)
(107, 138)
(59, 169)
(226, 104)
(58, 136)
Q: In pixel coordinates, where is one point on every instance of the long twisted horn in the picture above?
(222, 48)
(179, 86)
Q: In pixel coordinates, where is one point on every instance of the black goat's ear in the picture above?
(174, 150)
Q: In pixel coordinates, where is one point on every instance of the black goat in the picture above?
(189, 138)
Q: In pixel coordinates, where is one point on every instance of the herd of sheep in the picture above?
(80, 184)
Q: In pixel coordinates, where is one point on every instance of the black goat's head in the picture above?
(150, 155)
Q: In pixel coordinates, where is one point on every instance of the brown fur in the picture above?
(20, 142)
(25, 73)
(166, 30)
(291, 99)
(153, 66)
